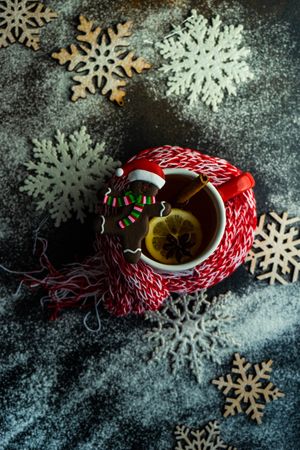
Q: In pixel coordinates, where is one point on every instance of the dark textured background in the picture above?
(63, 388)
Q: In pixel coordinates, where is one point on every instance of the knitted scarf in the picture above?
(138, 200)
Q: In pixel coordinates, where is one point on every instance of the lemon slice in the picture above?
(174, 239)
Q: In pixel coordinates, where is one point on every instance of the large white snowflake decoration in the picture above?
(207, 438)
(102, 61)
(276, 249)
(189, 330)
(204, 60)
(248, 388)
(21, 20)
(67, 175)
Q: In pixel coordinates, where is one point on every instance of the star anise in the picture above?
(178, 247)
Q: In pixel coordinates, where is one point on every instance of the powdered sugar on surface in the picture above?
(64, 388)
(111, 391)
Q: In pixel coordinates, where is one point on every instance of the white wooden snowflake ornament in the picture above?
(21, 20)
(190, 330)
(67, 174)
(102, 61)
(207, 438)
(275, 254)
(247, 388)
(204, 60)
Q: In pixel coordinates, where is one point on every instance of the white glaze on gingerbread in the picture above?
(163, 204)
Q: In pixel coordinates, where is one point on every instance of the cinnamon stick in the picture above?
(192, 188)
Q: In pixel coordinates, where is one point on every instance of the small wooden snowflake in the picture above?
(276, 250)
(101, 60)
(201, 438)
(248, 389)
(21, 20)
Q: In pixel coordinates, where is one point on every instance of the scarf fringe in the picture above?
(103, 278)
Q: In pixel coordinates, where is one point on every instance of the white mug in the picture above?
(214, 242)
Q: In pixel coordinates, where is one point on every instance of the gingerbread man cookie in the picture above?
(137, 205)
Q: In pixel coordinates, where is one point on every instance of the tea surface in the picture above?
(200, 205)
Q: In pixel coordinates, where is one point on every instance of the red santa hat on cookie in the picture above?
(143, 170)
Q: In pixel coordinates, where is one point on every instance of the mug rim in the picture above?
(215, 241)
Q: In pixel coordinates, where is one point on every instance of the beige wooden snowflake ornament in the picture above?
(200, 438)
(103, 61)
(276, 249)
(247, 389)
(21, 20)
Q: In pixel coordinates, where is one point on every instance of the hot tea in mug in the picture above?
(201, 236)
